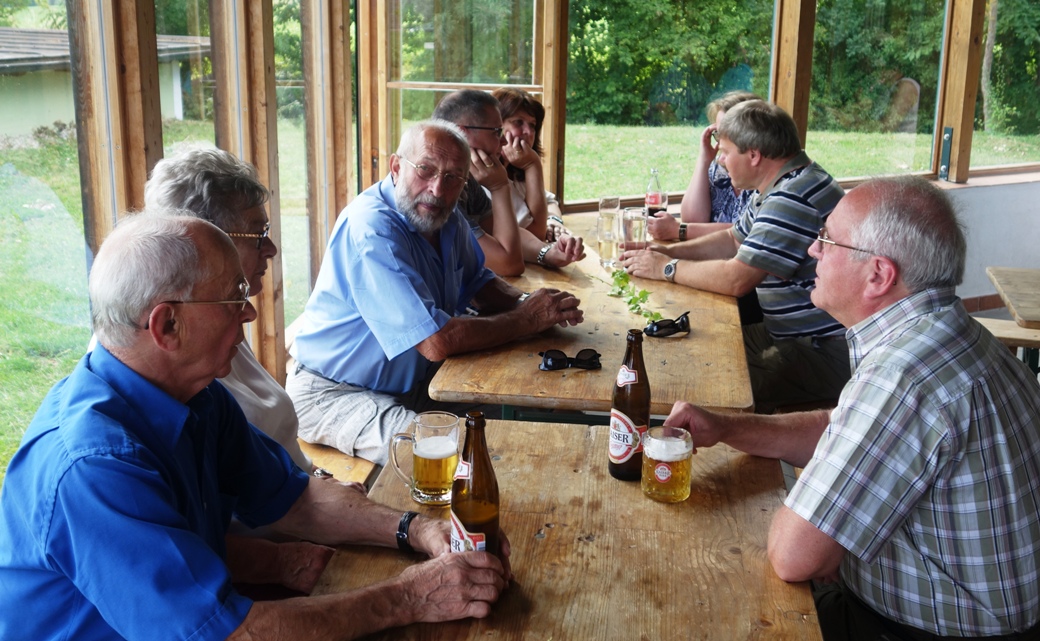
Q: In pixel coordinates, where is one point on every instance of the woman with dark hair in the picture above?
(537, 212)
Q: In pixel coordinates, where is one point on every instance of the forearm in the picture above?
(534, 186)
(464, 334)
(531, 244)
(343, 616)
(729, 277)
(717, 245)
(510, 260)
(788, 437)
(252, 560)
(696, 202)
(496, 296)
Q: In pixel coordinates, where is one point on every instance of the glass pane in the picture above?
(185, 73)
(874, 85)
(470, 41)
(638, 83)
(1007, 112)
(44, 312)
(292, 157)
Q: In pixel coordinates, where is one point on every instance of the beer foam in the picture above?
(667, 449)
(436, 447)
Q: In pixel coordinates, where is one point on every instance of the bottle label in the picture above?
(463, 540)
(626, 438)
(626, 376)
(662, 472)
(462, 470)
(654, 198)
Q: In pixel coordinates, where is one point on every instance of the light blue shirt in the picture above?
(383, 289)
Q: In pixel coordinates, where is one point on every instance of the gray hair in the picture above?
(211, 183)
(150, 257)
(913, 222)
(757, 124)
(414, 136)
(459, 105)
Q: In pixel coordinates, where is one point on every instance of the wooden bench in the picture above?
(1014, 336)
(342, 466)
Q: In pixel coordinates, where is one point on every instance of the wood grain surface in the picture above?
(706, 367)
(595, 559)
(1020, 290)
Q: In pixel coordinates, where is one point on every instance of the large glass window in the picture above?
(1007, 112)
(875, 80)
(185, 74)
(44, 313)
(639, 78)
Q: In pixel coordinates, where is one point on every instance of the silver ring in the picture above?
(321, 473)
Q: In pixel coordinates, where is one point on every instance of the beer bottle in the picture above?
(629, 413)
(656, 198)
(474, 493)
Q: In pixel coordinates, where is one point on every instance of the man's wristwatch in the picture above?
(669, 269)
(541, 255)
(682, 231)
(402, 531)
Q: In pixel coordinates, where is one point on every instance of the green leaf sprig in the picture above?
(624, 289)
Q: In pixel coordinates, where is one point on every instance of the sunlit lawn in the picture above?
(44, 317)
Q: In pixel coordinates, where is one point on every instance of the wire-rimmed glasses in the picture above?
(259, 237)
(427, 172)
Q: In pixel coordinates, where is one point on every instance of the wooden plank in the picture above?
(792, 60)
(553, 78)
(707, 367)
(959, 84)
(594, 559)
(1011, 333)
(1020, 290)
(343, 466)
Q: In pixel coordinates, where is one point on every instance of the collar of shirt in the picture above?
(164, 415)
(790, 169)
(868, 333)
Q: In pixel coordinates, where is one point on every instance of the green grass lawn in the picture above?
(44, 315)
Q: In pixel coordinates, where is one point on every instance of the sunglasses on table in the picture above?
(554, 359)
(668, 327)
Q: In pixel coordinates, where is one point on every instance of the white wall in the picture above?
(1003, 229)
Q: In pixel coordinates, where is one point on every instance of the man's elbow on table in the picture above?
(799, 551)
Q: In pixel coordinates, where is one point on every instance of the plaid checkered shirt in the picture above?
(929, 472)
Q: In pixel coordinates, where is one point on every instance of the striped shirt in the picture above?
(929, 473)
(775, 232)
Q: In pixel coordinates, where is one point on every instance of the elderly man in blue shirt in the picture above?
(114, 509)
(400, 270)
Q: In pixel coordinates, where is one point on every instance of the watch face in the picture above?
(669, 270)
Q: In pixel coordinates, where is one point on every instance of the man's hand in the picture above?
(663, 226)
(453, 586)
(517, 153)
(701, 424)
(566, 250)
(301, 564)
(547, 307)
(430, 536)
(646, 263)
(487, 169)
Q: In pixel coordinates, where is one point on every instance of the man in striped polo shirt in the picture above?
(798, 353)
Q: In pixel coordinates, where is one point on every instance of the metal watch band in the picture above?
(670, 268)
(402, 531)
(541, 255)
(682, 231)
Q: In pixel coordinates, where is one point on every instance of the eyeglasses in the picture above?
(554, 359)
(715, 135)
(497, 130)
(259, 237)
(822, 238)
(667, 327)
(426, 172)
(243, 291)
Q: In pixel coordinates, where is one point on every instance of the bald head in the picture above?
(152, 256)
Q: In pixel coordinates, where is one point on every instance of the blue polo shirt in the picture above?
(383, 289)
(114, 509)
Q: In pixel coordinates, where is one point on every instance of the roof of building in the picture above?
(25, 50)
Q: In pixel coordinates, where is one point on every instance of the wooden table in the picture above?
(1020, 290)
(706, 367)
(594, 559)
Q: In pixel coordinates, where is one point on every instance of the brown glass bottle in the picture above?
(629, 413)
(474, 493)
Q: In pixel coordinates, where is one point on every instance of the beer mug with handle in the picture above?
(435, 455)
(666, 464)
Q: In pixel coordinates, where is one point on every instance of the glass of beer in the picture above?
(608, 230)
(666, 464)
(634, 227)
(435, 455)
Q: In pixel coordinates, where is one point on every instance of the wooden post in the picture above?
(959, 84)
(118, 121)
(330, 159)
(792, 60)
(246, 123)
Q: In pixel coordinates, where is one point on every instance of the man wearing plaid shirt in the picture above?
(918, 511)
